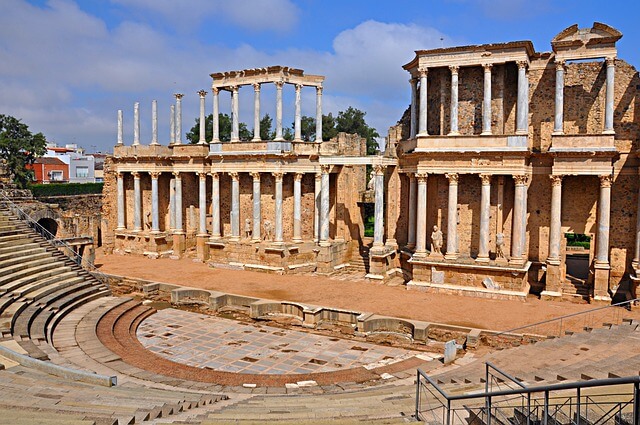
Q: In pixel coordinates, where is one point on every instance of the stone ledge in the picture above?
(505, 268)
(467, 290)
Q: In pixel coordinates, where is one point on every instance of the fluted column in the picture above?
(608, 109)
(172, 125)
(278, 189)
(235, 206)
(154, 122)
(121, 203)
(517, 243)
(155, 209)
(215, 206)
(256, 112)
(257, 208)
(137, 203)
(202, 140)
(136, 124)
(297, 130)
(179, 223)
(215, 138)
(413, 82)
(558, 123)
(279, 85)
(317, 206)
(297, 210)
(378, 228)
(202, 204)
(172, 205)
(120, 141)
(604, 218)
(319, 114)
(421, 219)
(235, 119)
(454, 101)
(178, 118)
(411, 234)
(452, 217)
(486, 103)
(422, 126)
(485, 212)
(522, 108)
(555, 227)
(324, 204)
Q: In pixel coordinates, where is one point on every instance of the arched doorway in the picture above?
(49, 224)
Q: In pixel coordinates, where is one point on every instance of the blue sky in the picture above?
(66, 66)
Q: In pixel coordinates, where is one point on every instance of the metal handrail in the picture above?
(52, 240)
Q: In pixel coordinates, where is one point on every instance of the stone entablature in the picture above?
(285, 74)
(598, 41)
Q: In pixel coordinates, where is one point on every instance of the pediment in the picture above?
(575, 43)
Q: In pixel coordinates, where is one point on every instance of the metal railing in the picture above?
(57, 243)
(577, 402)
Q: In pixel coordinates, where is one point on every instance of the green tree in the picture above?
(329, 127)
(265, 128)
(19, 147)
(224, 126)
(352, 121)
(308, 128)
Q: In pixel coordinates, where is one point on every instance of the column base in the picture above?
(420, 254)
(557, 133)
(517, 262)
(202, 142)
(297, 240)
(137, 230)
(279, 139)
(422, 134)
(601, 281)
(325, 243)
(554, 277)
(486, 133)
(451, 256)
(234, 239)
(202, 249)
(608, 132)
(482, 260)
(120, 229)
(256, 139)
(255, 240)
(155, 231)
(522, 132)
(178, 244)
(234, 140)
(453, 133)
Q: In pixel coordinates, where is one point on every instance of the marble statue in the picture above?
(268, 230)
(499, 245)
(247, 228)
(436, 240)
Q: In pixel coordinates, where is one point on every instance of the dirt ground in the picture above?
(358, 295)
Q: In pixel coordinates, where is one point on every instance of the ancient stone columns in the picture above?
(257, 213)
(421, 225)
(319, 114)
(215, 206)
(172, 125)
(636, 258)
(297, 216)
(136, 124)
(324, 207)
(378, 229)
(235, 119)
(120, 184)
(604, 213)
(485, 212)
(235, 206)
(411, 236)
(155, 216)
(413, 83)
(202, 204)
(558, 124)
(452, 218)
(172, 204)
(278, 238)
(486, 103)
(202, 140)
(216, 115)
(256, 112)
(317, 204)
(297, 131)
(279, 85)
(519, 211)
(178, 130)
(555, 227)
(120, 129)
(137, 203)
(454, 101)
(608, 111)
(522, 110)
(154, 122)
(178, 205)
(422, 126)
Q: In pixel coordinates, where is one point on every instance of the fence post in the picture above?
(528, 408)
(448, 412)
(636, 403)
(488, 410)
(417, 395)
(546, 408)
(578, 407)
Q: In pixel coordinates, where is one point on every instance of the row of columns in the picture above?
(522, 112)
(558, 124)
(417, 231)
(321, 227)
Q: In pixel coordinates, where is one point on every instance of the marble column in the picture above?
(636, 258)
(235, 119)
(421, 219)
(608, 109)
(378, 228)
(216, 115)
(121, 203)
(172, 125)
(604, 218)
(257, 212)
(317, 206)
(454, 101)
(297, 207)
(522, 107)
(324, 207)
(555, 227)
(202, 140)
(411, 234)
(215, 206)
(558, 123)
(256, 112)
(279, 85)
(318, 114)
(172, 205)
(452, 217)
(155, 209)
(178, 118)
(137, 203)
(202, 204)
(517, 243)
(413, 82)
(179, 222)
(136, 124)
(297, 130)
(486, 102)
(278, 237)
(120, 141)
(485, 212)
(422, 122)
(154, 122)
(235, 206)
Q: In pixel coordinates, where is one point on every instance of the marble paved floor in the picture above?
(227, 345)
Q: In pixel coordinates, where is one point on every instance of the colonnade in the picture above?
(419, 101)
(558, 124)
(176, 223)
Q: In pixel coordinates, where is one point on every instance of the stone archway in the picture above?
(49, 225)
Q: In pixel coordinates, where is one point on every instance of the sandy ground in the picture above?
(356, 295)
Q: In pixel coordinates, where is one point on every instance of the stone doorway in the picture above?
(49, 225)
(578, 258)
